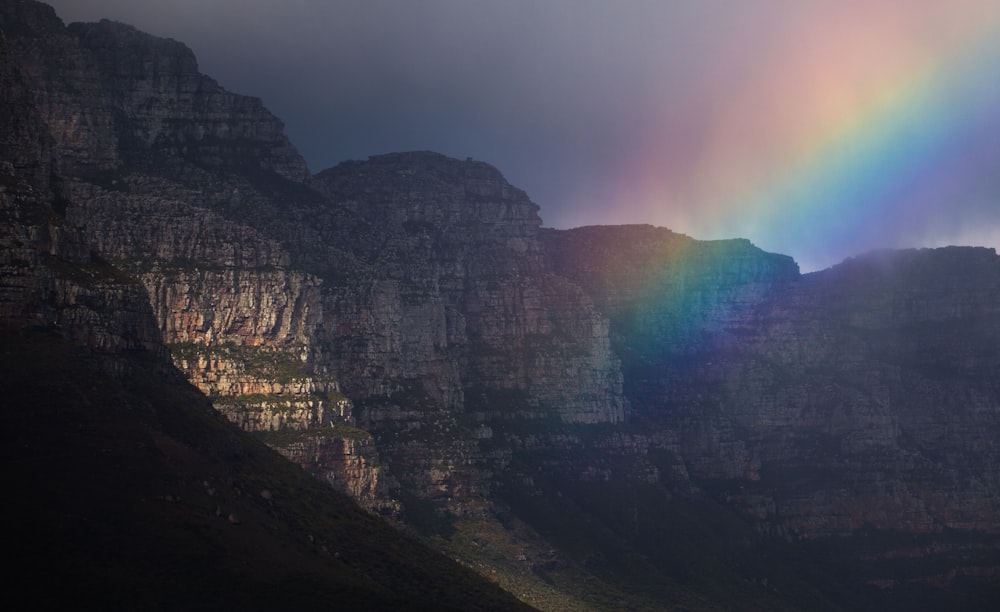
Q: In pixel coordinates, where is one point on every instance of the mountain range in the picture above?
(232, 382)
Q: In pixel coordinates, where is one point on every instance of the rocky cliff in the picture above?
(856, 400)
(404, 282)
(835, 400)
(127, 488)
(668, 421)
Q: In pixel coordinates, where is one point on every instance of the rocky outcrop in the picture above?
(344, 457)
(886, 364)
(665, 289)
(466, 293)
(167, 113)
(51, 276)
(855, 400)
(404, 281)
(64, 92)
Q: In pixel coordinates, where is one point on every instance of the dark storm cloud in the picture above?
(541, 89)
(678, 113)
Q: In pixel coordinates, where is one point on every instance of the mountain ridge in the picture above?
(406, 330)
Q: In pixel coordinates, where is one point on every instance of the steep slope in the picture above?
(129, 491)
(149, 500)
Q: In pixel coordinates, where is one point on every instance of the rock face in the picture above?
(464, 299)
(404, 329)
(404, 282)
(837, 400)
(51, 275)
(887, 362)
(859, 399)
(52, 278)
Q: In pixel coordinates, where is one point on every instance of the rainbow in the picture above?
(892, 164)
(847, 164)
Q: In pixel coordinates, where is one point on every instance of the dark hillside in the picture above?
(135, 494)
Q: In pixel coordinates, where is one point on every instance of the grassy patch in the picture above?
(270, 364)
(277, 401)
(292, 436)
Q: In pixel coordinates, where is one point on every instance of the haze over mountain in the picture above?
(203, 342)
(819, 129)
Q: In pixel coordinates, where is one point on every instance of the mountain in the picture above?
(597, 418)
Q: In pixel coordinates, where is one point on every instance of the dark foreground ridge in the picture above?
(134, 494)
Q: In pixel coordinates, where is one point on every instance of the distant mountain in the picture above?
(599, 418)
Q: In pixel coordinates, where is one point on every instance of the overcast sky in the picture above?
(819, 128)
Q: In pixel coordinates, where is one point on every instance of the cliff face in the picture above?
(61, 89)
(893, 374)
(403, 282)
(51, 275)
(609, 398)
(860, 399)
(836, 400)
(127, 488)
(463, 288)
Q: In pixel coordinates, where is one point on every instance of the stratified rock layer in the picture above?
(870, 371)
(858, 399)
(409, 278)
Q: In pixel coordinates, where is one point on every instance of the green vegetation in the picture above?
(261, 362)
(291, 436)
(277, 401)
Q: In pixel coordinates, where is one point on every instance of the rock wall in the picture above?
(467, 290)
(103, 105)
(834, 401)
(401, 282)
(165, 112)
(51, 276)
(64, 92)
(884, 383)
(855, 400)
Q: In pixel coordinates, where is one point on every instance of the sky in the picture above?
(820, 129)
